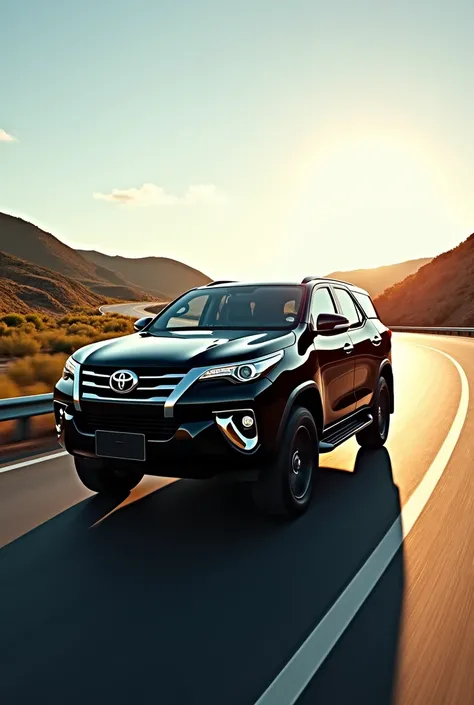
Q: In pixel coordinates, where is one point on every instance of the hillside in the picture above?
(161, 276)
(439, 294)
(26, 287)
(28, 242)
(376, 280)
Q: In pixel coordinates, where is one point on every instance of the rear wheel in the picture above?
(285, 487)
(375, 435)
(102, 476)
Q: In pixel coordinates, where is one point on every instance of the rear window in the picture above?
(366, 304)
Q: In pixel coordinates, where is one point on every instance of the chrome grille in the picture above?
(153, 385)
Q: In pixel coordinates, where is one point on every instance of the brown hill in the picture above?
(26, 287)
(376, 280)
(439, 294)
(25, 240)
(165, 278)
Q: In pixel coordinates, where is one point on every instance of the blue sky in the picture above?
(276, 138)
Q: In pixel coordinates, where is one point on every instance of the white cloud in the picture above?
(5, 137)
(152, 195)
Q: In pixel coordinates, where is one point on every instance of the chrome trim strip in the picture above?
(367, 423)
(176, 376)
(93, 384)
(94, 374)
(231, 432)
(75, 388)
(158, 386)
(121, 400)
(183, 386)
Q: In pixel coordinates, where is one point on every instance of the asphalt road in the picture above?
(135, 309)
(179, 594)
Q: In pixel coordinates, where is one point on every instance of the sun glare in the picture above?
(380, 198)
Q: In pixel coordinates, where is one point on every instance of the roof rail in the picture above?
(221, 281)
(306, 280)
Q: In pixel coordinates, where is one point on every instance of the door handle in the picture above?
(376, 340)
(348, 348)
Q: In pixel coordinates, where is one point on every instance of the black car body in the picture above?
(209, 385)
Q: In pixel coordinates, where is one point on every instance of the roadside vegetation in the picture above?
(34, 347)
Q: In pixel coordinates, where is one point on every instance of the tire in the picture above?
(375, 435)
(284, 489)
(101, 476)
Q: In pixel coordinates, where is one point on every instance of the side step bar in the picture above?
(338, 436)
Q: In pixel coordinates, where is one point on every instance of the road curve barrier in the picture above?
(433, 330)
(22, 409)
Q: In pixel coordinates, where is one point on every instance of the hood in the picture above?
(184, 349)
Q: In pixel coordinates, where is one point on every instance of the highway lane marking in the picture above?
(301, 668)
(43, 459)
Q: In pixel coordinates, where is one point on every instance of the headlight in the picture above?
(244, 371)
(69, 368)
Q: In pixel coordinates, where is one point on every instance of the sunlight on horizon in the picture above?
(371, 200)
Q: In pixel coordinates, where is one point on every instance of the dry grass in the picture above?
(36, 346)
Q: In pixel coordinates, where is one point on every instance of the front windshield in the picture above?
(246, 307)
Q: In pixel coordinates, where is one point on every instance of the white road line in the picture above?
(51, 456)
(298, 672)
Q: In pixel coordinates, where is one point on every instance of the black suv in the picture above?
(249, 381)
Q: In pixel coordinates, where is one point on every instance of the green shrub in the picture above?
(39, 369)
(69, 343)
(19, 345)
(36, 320)
(118, 326)
(81, 329)
(28, 329)
(13, 319)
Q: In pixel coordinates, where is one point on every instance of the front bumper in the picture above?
(206, 437)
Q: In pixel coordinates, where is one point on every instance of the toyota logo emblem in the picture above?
(123, 381)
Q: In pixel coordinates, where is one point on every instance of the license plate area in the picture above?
(122, 446)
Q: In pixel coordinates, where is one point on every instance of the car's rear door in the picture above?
(335, 361)
(366, 341)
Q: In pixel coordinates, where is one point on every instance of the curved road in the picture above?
(135, 309)
(180, 594)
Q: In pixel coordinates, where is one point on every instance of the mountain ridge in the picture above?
(441, 293)
(174, 276)
(376, 279)
(27, 287)
(20, 238)
(154, 278)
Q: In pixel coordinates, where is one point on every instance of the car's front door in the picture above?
(335, 361)
(364, 336)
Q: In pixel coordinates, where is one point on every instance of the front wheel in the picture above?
(285, 487)
(101, 476)
(375, 435)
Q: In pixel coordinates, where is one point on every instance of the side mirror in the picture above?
(142, 322)
(331, 323)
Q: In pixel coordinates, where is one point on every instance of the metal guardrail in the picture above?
(434, 330)
(22, 409)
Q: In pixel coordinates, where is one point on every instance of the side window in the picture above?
(321, 302)
(366, 302)
(349, 309)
